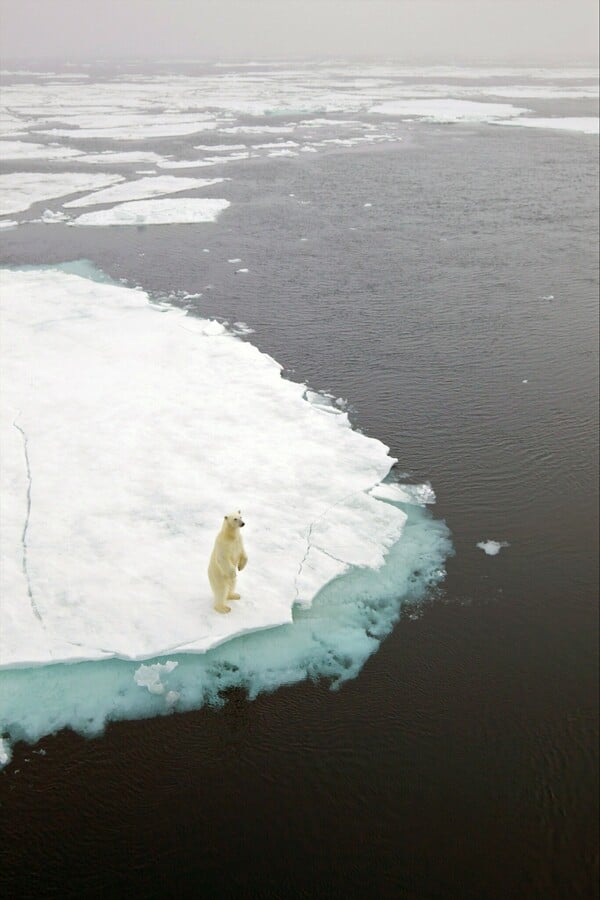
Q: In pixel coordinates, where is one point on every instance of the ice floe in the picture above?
(20, 190)
(143, 188)
(29, 150)
(448, 110)
(583, 124)
(115, 477)
(156, 212)
(492, 548)
(112, 461)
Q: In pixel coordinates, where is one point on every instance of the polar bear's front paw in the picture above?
(233, 596)
(221, 608)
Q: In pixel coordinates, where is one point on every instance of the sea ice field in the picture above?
(129, 428)
(119, 459)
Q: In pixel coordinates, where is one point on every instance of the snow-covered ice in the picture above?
(582, 124)
(143, 188)
(448, 110)
(114, 483)
(112, 459)
(29, 150)
(20, 190)
(156, 212)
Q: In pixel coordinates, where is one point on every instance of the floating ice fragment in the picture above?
(582, 124)
(5, 754)
(156, 212)
(447, 109)
(8, 223)
(236, 260)
(142, 189)
(367, 205)
(242, 270)
(492, 548)
(525, 381)
(49, 217)
(20, 190)
(149, 676)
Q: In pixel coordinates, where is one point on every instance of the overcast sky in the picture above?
(525, 31)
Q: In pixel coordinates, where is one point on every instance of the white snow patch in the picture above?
(156, 212)
(582, 124)
(20, 190)
(448, 110)
(184, 163)
(142, 189)
(26, 150)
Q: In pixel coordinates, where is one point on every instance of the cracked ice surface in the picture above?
(142, 428)
(143, 188)
(20, 190)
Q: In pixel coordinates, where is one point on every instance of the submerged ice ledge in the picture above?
(143, 426)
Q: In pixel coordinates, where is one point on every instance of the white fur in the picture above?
(227, 557)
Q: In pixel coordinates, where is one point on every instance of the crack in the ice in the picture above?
(309, 544)
(24, 564)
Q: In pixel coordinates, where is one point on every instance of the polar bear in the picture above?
(227, 557)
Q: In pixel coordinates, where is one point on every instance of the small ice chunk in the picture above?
(49, 217)
(367, 205)
(5, 753)
(149, 676)
(242, 270)
(8, 223)
(236, 260)
(525, 381)
(492, 548)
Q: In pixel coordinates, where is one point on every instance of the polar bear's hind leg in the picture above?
(220, 599)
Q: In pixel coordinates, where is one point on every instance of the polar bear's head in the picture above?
(234, 519)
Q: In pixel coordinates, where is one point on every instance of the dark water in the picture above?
(462, 761)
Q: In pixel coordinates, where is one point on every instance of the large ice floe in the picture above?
(156, 212)
(581, 124)
(448, 110)
(143, 188)
(20, 190)
(128, 430)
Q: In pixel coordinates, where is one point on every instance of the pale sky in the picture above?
(431, 31)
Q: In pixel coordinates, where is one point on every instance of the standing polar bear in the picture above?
(227, 557)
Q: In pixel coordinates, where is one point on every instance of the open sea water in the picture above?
(457, 314)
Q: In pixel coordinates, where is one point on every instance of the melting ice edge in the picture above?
(128, 480)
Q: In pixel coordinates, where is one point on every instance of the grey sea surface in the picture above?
(457, 314)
